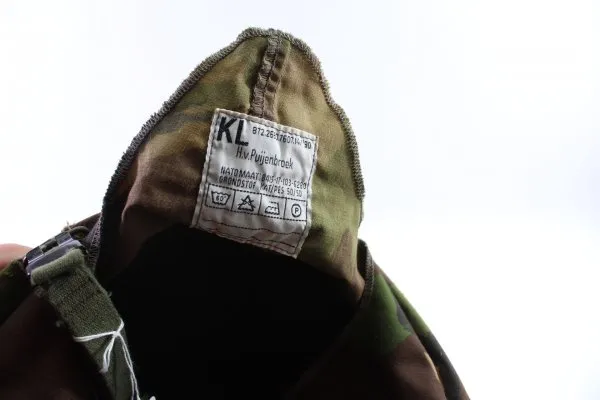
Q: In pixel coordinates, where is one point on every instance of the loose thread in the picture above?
(106, 357)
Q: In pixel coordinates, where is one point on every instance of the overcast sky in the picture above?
(481, 169)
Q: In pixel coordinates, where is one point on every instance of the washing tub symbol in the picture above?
(220, 198)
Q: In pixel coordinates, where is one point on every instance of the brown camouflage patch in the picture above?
(351, 375)
(345, 254)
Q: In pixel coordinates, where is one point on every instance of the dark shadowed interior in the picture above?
(215, 318)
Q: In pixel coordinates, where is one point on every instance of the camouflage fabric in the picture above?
(273, 75)
(387, 351)
(384, 350)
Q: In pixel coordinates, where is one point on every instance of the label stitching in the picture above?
(265, 240)
(250, 240)
(201, 199)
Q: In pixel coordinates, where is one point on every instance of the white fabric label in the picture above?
(256, 183)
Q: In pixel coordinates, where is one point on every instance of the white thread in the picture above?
(106, 357)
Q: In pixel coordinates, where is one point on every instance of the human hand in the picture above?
(10, 252)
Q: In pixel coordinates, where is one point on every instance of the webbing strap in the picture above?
(86, 309)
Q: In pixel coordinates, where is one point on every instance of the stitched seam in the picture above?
(269, 93)
(272, 99)
(264, 75)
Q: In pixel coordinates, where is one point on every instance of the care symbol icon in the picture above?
(272, 208)
(219, 198)
(296, 210)
(247, 204)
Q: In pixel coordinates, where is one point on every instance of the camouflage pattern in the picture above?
(273, 75)
(386, 351)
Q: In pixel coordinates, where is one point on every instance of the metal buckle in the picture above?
(49, 251)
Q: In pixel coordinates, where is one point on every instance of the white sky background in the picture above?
(479, 130)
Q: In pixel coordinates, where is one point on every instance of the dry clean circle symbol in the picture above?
(296, 210)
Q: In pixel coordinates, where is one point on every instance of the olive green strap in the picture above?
(86, 309)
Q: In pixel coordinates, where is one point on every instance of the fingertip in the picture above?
(10, 252)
